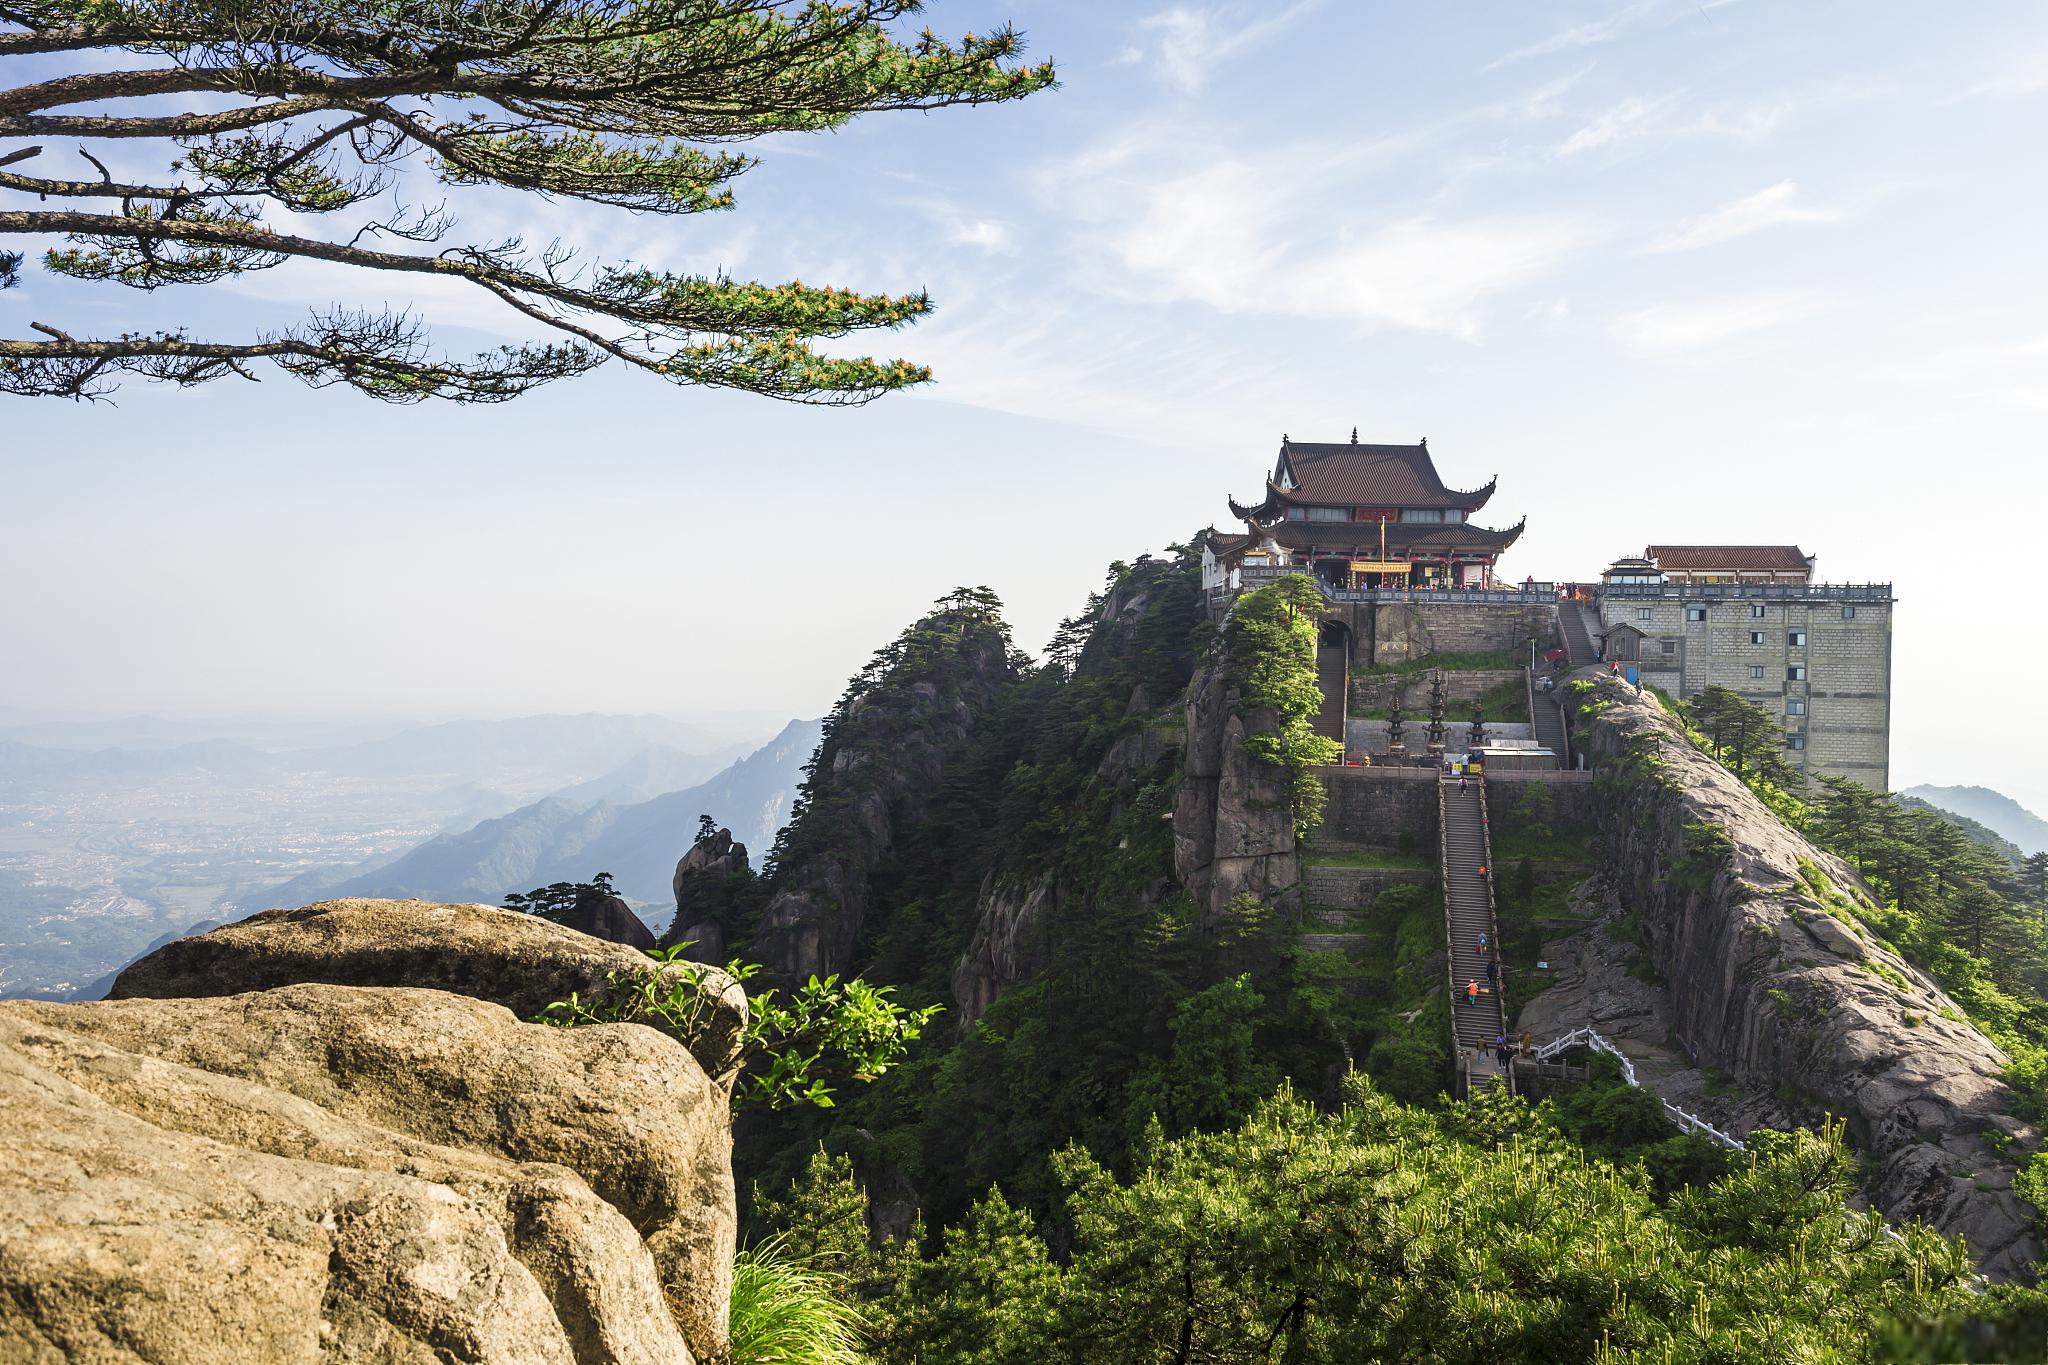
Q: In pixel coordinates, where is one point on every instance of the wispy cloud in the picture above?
(2015, 78)
(1767, 208)
(1625, 121)
(1184, 44)
(1578, 35)
(1672, 329)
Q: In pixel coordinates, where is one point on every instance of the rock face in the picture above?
(1008, 946)
(878, 771)
(610, 918)
(705, 885)
(1232, 834)
(1773, 981)
(316, 1172)
(522, 962)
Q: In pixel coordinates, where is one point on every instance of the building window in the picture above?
(1427, 514)
(1329, 514)
(1456, 514)
(1795, 706)
(1756, 611)
(1848, 611)
(1642, 613)
(1796, 673)
(1756, 637)
(1796, 743)
(1670, 646)
(1695, 613)
(1297, 514)
(1757, 671)
(1796, 639)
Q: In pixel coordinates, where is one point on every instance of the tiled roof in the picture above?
(1402, 537)
(1730, 558)
(1221, 544)
(1344, 474)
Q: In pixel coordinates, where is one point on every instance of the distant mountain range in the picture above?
(635, 756)
(556, 839)
(1994, 810)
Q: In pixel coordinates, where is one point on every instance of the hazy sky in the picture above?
(1735, 271)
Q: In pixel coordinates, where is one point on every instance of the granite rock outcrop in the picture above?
(314, 1171)
(1774, 979)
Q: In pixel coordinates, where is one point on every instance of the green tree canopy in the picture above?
(312, 107)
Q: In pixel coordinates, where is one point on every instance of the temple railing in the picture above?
(1521, 594)
(1754, 592)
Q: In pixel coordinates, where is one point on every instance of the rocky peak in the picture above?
(906, 717)
(707, 886)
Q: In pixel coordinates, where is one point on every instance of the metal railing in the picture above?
(1687, 1121)
(1756, 592)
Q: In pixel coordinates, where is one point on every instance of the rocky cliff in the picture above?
(708, 885)
(1232, 834)
(323, 1135)
(1774, 980)
(878, 771)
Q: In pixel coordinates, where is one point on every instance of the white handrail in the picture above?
(1687, 1121)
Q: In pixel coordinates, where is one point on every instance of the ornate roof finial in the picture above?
(1425, 443)
(1284, 438)
(1354, 435)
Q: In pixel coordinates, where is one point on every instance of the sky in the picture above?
(1722, 272)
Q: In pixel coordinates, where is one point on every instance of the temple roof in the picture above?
(1346, 474)
(1403, 538)
(1730, 558)
(1222, 543)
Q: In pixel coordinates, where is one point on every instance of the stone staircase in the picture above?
(1547, 719)
(1468, 913)
(1578, 638)
(1333, 675)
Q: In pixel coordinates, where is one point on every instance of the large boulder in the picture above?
(317, 1173)
(522, 962)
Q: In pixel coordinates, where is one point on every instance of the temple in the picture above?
(1361, 516)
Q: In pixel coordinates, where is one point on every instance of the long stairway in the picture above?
(1548, 722)
(1333, 674)
(1468, 913)
(1578, 640)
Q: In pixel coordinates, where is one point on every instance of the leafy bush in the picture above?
(828, 1030)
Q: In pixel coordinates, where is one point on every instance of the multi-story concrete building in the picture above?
(1752, 618)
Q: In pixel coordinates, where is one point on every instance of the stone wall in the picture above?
(1402, 631)
(1357, 888)
(1375, 807)
(1395, 632)
(1572, 801)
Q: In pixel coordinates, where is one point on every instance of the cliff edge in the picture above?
(1773, 979)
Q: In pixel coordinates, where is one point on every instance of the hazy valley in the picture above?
(115, 834)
